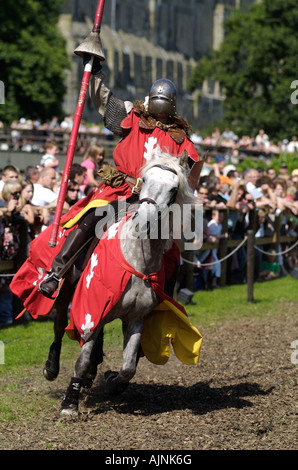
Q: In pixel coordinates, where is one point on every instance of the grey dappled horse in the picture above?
(164, 183)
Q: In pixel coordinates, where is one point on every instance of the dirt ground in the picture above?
(242, 395)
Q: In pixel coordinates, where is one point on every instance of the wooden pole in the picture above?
(250, 265)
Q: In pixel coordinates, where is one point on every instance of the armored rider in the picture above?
(141, 128)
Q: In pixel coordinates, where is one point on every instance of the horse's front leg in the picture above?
(96, 358)
(52, 365)
(70, 402)
(116, 382)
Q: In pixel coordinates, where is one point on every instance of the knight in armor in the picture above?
(141, 128)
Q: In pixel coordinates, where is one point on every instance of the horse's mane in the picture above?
(185, 194)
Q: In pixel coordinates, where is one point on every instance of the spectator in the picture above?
(11, 194)
(31, 174)
(214, 230)
(202, 192)
(216, 136)
(25, 200)
(17, 207)
(57, 183)
(41, 215)
(245, 142)
(203, 260)
(261, 172)
(6, 302)
(213, 185)
(43, 190)
(271, 173)
(294, 178)
(250, 177)
(72, 193)
(262, 140)
(196, 137)
(270, 268)
(49, 160)
(232, 170)
(77, 174)
(9, 173)
(239, 221)
(92, 162)
(280, 192)
(228, 134)
(218, 166)
(284, 171)
(292, 146)
(266, 187)
(10, 242)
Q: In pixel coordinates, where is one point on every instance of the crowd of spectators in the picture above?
(261, 143)
(251, 199)
(37, 132)
(28, 135)
(29, 198)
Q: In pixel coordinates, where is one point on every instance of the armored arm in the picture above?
(112, 110)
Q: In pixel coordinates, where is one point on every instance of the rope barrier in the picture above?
(278, 253)
(220, 260)
(198, 264)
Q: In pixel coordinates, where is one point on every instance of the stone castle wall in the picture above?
(144, 40)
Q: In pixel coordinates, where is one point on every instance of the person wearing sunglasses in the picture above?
(72, 193)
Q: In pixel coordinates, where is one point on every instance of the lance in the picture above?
(91, 46)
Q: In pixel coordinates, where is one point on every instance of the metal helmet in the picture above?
(162, 98)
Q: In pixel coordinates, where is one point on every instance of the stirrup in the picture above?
(51, 276)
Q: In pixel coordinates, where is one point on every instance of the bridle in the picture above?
(175, 191)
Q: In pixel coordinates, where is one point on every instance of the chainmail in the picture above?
(114, 115)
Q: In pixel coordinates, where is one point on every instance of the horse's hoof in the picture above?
(49, 374)
(69, 413)
(90, 376)
(113, 386)
(88, 382)
(69, 408)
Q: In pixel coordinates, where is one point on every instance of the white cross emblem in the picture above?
(150, 147)
(93, 264)
(87, 327)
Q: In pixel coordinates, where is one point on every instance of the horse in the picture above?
(142, 244)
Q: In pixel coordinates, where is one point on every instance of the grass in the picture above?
(230, 303)
(26, 346)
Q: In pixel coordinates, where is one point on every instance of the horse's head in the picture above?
(164, 186)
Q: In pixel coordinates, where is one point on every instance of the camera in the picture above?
(16, 196)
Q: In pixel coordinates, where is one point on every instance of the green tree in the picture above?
(33, 59)
(256, 65)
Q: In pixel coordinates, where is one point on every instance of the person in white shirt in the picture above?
(196, 138)
(293, 145)
(49, 159)
(43, 195)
